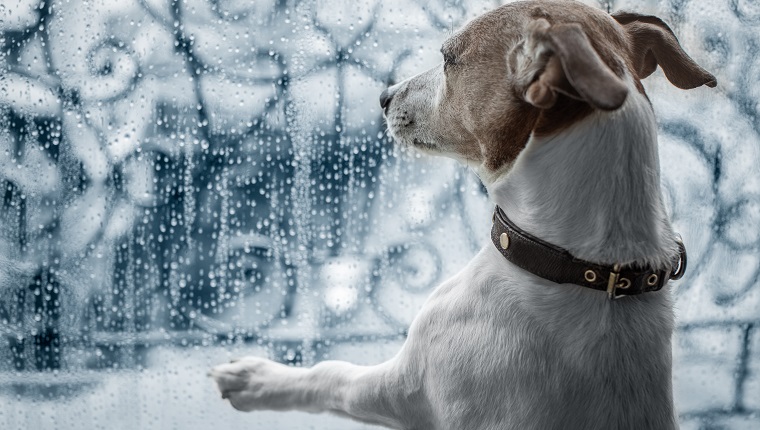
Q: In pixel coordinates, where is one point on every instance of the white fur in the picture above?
(594, 189)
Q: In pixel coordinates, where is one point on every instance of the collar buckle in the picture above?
(615, 283)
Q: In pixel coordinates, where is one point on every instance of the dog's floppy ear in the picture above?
(562, 60)
(653, 43)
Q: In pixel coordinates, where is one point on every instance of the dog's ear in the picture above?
(560, 59)
(653, 43)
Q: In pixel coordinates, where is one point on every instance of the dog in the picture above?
(565, 320)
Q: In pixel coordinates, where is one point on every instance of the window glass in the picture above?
(187, 181)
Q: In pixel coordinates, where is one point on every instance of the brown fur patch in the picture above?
(504, 144)
(565, 113)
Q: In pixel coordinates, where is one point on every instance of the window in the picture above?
(187, 181)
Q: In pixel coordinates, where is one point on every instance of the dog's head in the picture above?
(532, 67)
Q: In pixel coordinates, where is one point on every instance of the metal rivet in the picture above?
(504, 240)
(652, 280)
(590, 275)
(624, 284)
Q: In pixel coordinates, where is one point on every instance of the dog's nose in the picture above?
(385, 99)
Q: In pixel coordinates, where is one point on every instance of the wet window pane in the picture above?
(183, 182)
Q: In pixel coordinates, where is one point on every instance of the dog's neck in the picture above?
(594, 189)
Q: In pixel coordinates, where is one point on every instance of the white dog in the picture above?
(544, 100)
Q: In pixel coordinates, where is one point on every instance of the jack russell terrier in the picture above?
(565, 320)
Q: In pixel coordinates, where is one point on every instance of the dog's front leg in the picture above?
(359, 392)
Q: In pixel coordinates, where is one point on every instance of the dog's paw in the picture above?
(252, 383)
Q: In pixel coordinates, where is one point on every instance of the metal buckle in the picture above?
(616, 283)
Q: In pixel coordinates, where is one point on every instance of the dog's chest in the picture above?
(502, 346)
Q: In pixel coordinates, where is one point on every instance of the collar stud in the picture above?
(504, 240)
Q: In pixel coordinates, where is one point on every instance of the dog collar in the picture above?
(558, 265)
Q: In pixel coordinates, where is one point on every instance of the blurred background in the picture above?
(188, 181)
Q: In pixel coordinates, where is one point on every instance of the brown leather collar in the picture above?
(558, 265)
